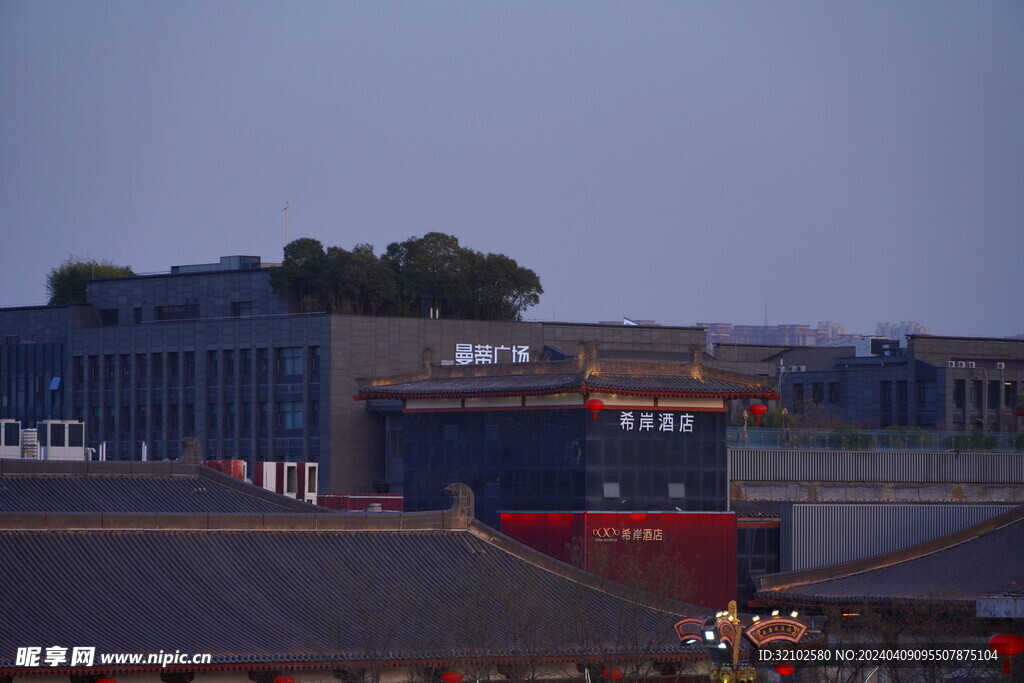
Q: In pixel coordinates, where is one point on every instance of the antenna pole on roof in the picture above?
(286, 224)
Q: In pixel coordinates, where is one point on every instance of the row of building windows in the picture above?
(982, 395)
(110, 317)
(220, 364)
(818, 393)
(287, 415)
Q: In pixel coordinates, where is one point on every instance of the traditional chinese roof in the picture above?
(959, 568)
(178, 486)
(585, 374)
(272, 592)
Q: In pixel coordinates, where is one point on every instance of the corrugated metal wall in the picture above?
(751, 464)
(818, 535)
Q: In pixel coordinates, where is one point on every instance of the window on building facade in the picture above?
(183, 312)
(211, 416)
(137, 315)
(190, 364)
(246, 415)
(993, 395)
(263, 362)
(241, 309)
(245, 362)
(108, 317)
(1010, 395)
(229, 416)
(314, 361)
(314, 414)
(229, 363)
(818, 393)
(289, 361)
(94, 368)
(141, 366)
(289, 415)
(212, 364)
(959, 391)
(976, 393)
(190, 417)
(833, 392)
(126, 368)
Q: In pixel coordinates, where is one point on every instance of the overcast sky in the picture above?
(675, 161)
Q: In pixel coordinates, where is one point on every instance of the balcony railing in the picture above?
(845, 439)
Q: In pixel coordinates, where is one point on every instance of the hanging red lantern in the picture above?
(611, 674)
(283, 679)
(784, 668)
(451, 677)
(1006, 645)
(595, 405)
(106, 680)
(757, 410)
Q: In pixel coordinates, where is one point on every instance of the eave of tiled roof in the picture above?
(183, 486)
(261, 592)
(958, 568)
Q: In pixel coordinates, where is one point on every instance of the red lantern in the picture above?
(106, 680)
(595, 405)
(757, 410)
(451, 677)
(1006, 645)
(283, 679)
(611, 674)
(784, 668)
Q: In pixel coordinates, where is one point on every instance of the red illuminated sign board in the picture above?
(775, 629)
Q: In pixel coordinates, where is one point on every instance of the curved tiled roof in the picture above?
(56, 486)
(981, 560)
(304, 590)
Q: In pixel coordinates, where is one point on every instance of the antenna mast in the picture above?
(286, 224)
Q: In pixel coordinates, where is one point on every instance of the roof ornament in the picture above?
(463, 505)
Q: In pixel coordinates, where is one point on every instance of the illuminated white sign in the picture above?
(665, 422)
(611, 534)
(486, 354)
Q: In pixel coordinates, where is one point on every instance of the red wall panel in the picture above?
(688, 556)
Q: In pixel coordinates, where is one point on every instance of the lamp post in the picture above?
(724, 649)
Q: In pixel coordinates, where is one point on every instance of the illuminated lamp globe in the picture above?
(1006, 645)
(784, 668)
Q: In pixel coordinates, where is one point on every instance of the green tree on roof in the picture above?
(68, 282)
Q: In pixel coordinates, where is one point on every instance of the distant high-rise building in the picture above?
(901, 329)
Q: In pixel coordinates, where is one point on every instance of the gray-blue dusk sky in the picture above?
(676, 161)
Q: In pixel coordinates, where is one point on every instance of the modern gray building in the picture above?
(944, 383)
(211, 351)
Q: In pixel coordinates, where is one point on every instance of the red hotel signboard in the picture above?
(688, 556)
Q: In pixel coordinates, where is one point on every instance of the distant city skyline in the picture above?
(666, 161)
